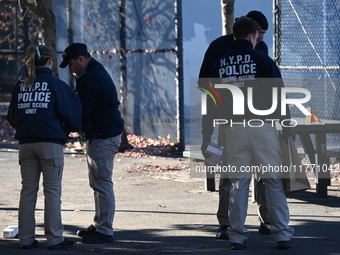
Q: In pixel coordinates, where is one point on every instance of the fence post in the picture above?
(180, 76)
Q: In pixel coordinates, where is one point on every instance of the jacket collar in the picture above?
(43, 70)
(242, 44)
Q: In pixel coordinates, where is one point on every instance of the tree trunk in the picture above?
(45, 13)
(227, 16)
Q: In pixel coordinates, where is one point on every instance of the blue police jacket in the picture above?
(244, 68)
(47, 112)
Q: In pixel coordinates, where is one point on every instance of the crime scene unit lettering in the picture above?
(239, 68)
(32, 99)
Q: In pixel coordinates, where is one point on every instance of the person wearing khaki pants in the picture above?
(102, 126)
(250, 135)
(43, 111)
(100, 159)
(217, 49)
(34, 159)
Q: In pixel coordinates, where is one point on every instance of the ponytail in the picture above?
(36, 56)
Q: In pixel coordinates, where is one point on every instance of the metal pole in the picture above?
(70, 36)
(180, 76)
(123, 74)
(324, 30)
(16, 27)
(123, 69)
(277, 32)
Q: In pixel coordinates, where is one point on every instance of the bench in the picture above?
(319, 155)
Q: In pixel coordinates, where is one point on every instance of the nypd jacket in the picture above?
(48, 112)
(101, 117)
(217, 49)
(253, 75)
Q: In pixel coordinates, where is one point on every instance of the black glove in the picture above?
(286, 133)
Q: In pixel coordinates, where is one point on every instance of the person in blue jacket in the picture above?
(43, 111)
(222, 45)
(218, 48)
(253, 74)
(102, 126)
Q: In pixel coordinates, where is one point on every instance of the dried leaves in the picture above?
(147, 147)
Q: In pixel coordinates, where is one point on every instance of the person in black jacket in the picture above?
(222, 45)
(218, 48)
(250, 133)
(102, 127)
(43, 111)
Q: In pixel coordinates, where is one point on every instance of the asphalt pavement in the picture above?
(162, 209)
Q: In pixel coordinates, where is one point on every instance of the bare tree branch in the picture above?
(31, 7)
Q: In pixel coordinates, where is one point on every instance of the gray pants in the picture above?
(224, 193)
(246, 145)
(34, 159)
(225, 186)
(100, 160)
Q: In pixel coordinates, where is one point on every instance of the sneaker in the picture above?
(97, 237)
(236, 246)
(63, 245)
(83, 232)
(29, 246)
(265, 229)
(222, 232)
(282, 245)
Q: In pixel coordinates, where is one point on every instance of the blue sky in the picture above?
(202, 23)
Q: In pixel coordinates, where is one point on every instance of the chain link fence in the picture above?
(17, 29)
(145, 51)
(307, 51)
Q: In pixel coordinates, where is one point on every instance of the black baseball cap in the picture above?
(71, 52)
(259, 18)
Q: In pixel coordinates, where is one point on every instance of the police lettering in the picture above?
(242, 69)
(41, 87)
(24, 105)
(234, 60)
(40, 105)
(236, 66)
(34, 97)
(31, 111)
